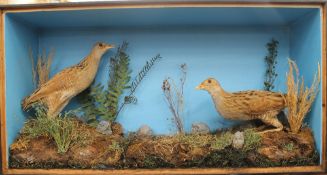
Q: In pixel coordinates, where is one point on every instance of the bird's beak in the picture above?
(199, 87)
(109, 46)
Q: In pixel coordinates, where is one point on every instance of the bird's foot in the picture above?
(270, 130)
(260, 128)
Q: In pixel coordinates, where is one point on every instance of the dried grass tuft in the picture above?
(299, 98)
(20, 144)
(41, 70)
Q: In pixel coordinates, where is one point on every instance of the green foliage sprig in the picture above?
(252, 140)
(61, 129)
(92, 102)
(271, 62)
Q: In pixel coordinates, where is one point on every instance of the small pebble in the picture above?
(145, 130)
(200, 128)
(104, 127)
(238, 140)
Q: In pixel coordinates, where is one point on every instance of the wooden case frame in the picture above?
(146, 4)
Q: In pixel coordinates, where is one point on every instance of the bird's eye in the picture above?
(100, 44)
(209, 81)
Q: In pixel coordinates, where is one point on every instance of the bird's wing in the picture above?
(260, 102)
(60, 81)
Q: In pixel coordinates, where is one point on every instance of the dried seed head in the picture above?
(183, 67)
(166, 85)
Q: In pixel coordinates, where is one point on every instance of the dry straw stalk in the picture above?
(299, 98)
(41, 70)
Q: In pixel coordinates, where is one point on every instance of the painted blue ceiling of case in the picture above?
(162, 17)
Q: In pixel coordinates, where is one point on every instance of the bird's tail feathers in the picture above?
(29, 101)
(26, 103)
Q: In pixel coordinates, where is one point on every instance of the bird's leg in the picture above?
(61, 106)
(271, 119)
(55, 107)
(52, 113)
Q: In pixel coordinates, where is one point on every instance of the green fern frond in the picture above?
(119, 78)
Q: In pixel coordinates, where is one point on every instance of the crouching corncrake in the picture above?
(246, 105)
(56, 93)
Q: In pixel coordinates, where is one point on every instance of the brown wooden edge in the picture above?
(2, 96)
(324, 87)
(41, 3)
(6, 170)
(83, 6)
(301, 169)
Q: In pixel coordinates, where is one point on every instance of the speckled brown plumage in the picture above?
(246, 105)
(59, 90)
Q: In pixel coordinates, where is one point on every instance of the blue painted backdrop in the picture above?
(232, 50)
(19, 39)
(235, 57)
(305, 42)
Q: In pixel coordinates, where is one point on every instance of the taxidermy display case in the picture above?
(163, 88)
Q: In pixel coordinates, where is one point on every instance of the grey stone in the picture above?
(30, 159)
(200, 128)
(145, 130)
(238, 140)
(101, 166)
(104, 127)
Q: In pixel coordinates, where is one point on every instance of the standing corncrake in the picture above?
(246, 105)
(56, 93)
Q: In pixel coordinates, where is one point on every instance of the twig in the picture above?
(137, 80)
(175, 98)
